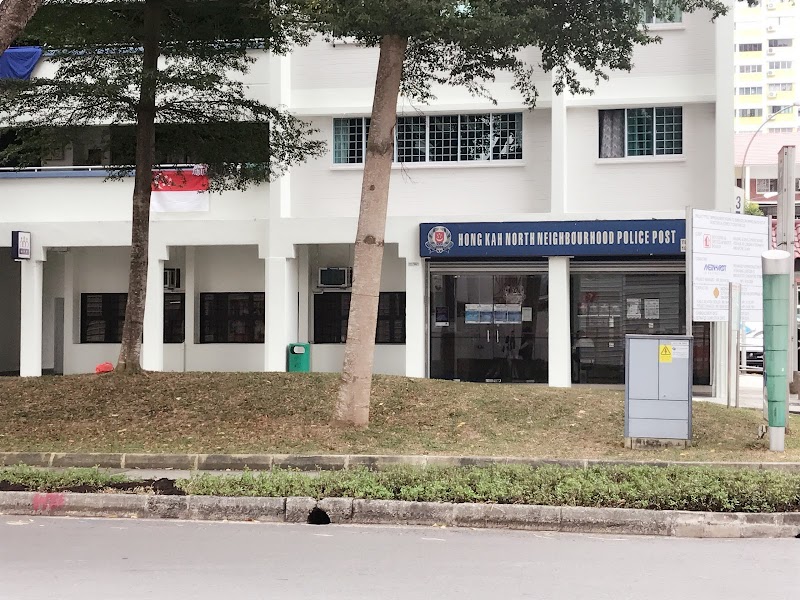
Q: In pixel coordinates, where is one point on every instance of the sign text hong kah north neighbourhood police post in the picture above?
(553, 238)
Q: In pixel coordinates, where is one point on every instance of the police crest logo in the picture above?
(440, 240)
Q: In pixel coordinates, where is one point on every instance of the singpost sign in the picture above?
(20, 245)
(652, 237)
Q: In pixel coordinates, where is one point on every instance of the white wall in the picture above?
(52, 288)
(390, 359)
(72, 199)
(640, 184)
(228, 269)
(9, 312)
(320, 188)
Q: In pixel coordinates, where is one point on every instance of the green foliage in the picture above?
(645, 487)
(466, 43)
(45, 481)
(202, 103)
(752, 208)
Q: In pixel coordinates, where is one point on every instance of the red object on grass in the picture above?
(105, 367)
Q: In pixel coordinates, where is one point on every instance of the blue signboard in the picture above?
(651, 237)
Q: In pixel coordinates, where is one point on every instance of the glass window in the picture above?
(507, 136)
(332, 311)
(779, 109)
(780, 64)
(103, 317)
(781, 43)
(764, 186)
(440, 138)
(641, 132)
(781, 87)
(411, 145)
(605, 307)
(174, 318)
(750, 91)
(232, 318)
(751, 112)
(750, 68)
(750, 47)
(662, 11)
(350, 140)
(443, 138)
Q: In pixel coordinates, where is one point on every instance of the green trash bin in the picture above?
(299, 358)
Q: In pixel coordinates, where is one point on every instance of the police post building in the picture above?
(521, 246)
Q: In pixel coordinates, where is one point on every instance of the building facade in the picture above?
(767, 51)
(521, 246)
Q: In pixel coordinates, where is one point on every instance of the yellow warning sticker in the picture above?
(665, 353)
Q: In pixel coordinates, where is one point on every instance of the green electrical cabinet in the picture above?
(299, 358)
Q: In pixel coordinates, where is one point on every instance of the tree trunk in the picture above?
(352, 406)
(130, 352)
(14, 16)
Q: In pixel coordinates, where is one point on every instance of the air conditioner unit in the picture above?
(772, 95)
(770, 6)
(334, 277)
(771, 29)
(172, 279)
(770, 73)
(770, 50)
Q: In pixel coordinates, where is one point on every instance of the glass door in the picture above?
(489, 328)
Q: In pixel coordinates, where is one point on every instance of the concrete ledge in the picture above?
(396, 512)
(73, 459)
(317, 462)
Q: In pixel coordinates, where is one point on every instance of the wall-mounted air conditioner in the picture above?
(772, 95)
(770, 50)
(172, 279)
(770, 6)
(770, 73)
(334, 277)
(771, 29)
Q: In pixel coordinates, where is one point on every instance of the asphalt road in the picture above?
(125, 559)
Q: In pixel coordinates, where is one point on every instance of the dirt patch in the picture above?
(290, 413)
(159, 487)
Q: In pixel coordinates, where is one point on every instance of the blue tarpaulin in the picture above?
(18, 63)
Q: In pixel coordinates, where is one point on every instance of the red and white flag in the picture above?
(179, 191)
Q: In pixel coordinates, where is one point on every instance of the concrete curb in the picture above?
(396, 512)
(330, 462)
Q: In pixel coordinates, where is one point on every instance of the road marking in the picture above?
(323, 534)
(28, 522)
(434, 539)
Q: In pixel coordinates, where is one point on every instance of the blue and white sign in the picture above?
(652, 237)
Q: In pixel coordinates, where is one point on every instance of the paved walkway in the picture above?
(751, 394)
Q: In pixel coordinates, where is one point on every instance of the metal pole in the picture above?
(785, 239)
(689, 291)
(776, 266)
(734, 321)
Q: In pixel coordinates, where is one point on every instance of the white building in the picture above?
(767, 57)
(587, 194)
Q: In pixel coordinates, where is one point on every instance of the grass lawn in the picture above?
(289, 413)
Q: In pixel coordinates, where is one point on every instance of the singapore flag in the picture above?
(184, 190)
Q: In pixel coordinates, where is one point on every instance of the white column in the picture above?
(558, 166)
(71, 308)
(192, 318)
(303, 294)
(30, 339)
(416, 331)
(277, 330)
(724, 107)
(153, 333)
(559, 354)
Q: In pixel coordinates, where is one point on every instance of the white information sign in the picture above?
(727, 248)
